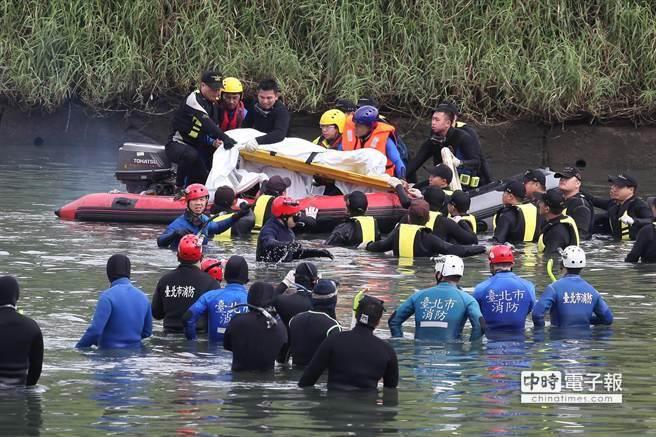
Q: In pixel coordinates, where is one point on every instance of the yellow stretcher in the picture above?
(300, 166)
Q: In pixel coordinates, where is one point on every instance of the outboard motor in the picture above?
(145, 168)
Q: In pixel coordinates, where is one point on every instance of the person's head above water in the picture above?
(369, 311)
(573, 259)
(419, 212)
(9, 290)
(435, 197)
(197, 197)
(236, 270)
(356, 203)
(449, 268)
(306, 274)
(324, 297)
(118, 266)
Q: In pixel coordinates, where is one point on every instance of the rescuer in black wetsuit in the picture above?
(177, 290)
(535, 182)
(294, 295)
(447, 228)
(644, 247)
(414, 239)
(577, 205)
(308, 329)
(358, 227)
(516, 222)
(458, 207)
(558, 231)
(355, 359)
(21, 341)
(224, 198)
(257, 338)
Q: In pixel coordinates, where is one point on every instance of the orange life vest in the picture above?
(234, 122)
(377, 140)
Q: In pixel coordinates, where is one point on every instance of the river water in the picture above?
(177, 387)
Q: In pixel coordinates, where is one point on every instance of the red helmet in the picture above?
(214, 267)
(196, 191)
(190, 248)
(501, 254)
(285, 207)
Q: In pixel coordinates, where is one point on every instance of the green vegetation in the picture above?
(551, 60)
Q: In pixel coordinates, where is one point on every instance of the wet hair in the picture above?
(449, 113)
(435, 197)
(268, 85)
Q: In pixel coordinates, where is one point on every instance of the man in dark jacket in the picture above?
(257, 338)
(195, 132)
(268, 115)
(625, 213)
(21, 341)
(177, 290)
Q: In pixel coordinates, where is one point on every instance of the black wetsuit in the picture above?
(557, 235)
(176, 291)
(253, 345)
(463, 145)
(510, 226)
(21, 343)
(425, 245)
(349, 234)
(580, 208)
(274, 123)
(644, 248)
(355, 359)
(277, 243)
(609, 223)
(307, 331)
(288, 305)
(454, 233)
(485, 173)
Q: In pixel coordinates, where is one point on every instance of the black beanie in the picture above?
(118, 266)
(261, 294)
(435, 197)
(357, 203)
(224, 197)
(236, 270)
(306, 273)
(8, 290)
(324, 297)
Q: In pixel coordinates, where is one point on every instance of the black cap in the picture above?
(212, 79)
(224, 197)
(357, 202)
(515, 188)
(236, 270)
(306, 270)
(370, 310)
(435, 197)
(345, 105)
(367, 101)
(623, 180)
(118, 266)
(535, 176)
(568, 172)
(442, 171)
(460, 200)
(553, 198)
(276, 185)
(261, 294)
(9, 291)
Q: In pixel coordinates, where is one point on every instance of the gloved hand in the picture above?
(250, 145)
(244, 209)
(189, 332)
(228, 143)
(456, 218)
(182, 232)
(627, 220)
(457, 162)
(311, 211)
(415, 193)
(240, 201)
(290, 278)
(363, 245)
(325, 253)
(394, 182)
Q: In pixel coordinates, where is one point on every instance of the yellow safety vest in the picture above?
(530, 215)
(573, 229)
(433, 215)
(260, 209)
(471, 220)
(625, 230)
(367, 227)
(228, 232)
(407, 233)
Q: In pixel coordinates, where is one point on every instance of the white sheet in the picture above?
(368, 162)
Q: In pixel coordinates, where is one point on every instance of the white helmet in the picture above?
(573, 257)
(449, 265)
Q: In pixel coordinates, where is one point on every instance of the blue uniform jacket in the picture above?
(505, 300)
(168, 239)
(122, 318)
(440, 313)
(219, 304)
(276, 242)
(572, 302)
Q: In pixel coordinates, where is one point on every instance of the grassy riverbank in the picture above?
(549, 60)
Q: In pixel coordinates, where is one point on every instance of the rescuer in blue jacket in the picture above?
(505, 298)
(220, 304)
(122, 317)
(441, 311)
(571, 300)
(194, 219)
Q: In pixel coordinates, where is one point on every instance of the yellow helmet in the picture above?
(232, 85)
(334, 116)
